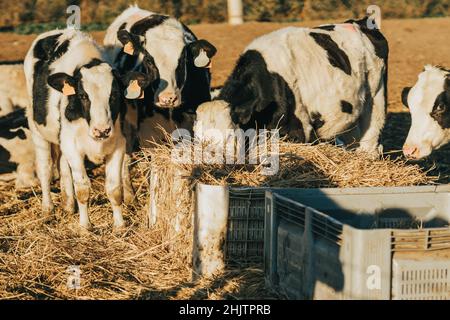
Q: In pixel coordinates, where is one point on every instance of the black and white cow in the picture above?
(13, 89)
(429, 104)
(17, 161)
(167, 69)
(77, 104)
(309, 83)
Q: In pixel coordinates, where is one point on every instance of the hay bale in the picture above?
(300, 166)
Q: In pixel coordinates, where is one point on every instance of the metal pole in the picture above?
(235, 12)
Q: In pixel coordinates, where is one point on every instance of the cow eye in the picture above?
(84, 96)
(440, 107)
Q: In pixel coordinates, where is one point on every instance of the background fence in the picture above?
(102, 12)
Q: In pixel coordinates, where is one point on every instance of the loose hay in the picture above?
(154, 263)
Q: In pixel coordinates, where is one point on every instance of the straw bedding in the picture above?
(154, 263)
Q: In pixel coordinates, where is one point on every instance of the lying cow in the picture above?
(77, 104)
(13, 90)
(308, 83)
(429, 104)
(17, 150)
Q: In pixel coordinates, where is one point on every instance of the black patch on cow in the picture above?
(405, 94)
(346, 107)
(381, 46)
(316, 120)
(45, 47)
(6, 166)
(259, 98)
(47, 51)
(337, 57)
(441, 108)
(13, 124)
(123, 26)
(93, 63)
(328, 27)
(142, 26)
(11, 63)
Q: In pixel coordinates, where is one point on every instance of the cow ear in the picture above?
(129, 41)
(135, 83)
(202, 51)
(405, 94)
(63, 83)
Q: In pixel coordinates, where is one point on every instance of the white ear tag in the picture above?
(134, 91)
(202, 60)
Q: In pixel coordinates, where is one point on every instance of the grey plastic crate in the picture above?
(244, 242)
(370, 243)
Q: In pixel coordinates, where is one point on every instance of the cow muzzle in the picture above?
(168, 100)
(414, 152)
(101, 132)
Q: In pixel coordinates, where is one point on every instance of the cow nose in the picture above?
(411, 151)
(168, 99)
(101, 133)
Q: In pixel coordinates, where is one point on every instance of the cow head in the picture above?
(213, 121)
(94, 94)
(167, 58)
(429, 104)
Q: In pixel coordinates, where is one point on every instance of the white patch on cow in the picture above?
(426, 134)
(213, 117)
(97, 83)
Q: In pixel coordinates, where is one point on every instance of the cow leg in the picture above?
(114, 189)
(371, 125)
(82, 186)
(129, 194)
(44, 170)
(67, 190)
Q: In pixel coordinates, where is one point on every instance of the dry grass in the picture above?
(154, 263)
(138, 263)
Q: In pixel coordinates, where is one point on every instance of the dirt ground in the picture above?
(413, 44)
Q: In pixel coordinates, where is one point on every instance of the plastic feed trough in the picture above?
(369, 243)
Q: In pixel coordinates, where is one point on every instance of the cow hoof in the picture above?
(129, 197)
(119, 225)
(69, 208)
(85, 228)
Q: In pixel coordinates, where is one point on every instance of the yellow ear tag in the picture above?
(68, 90)
(134, 91)
(129, 49)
